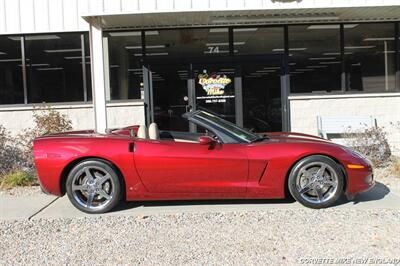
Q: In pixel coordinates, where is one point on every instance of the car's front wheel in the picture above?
(316, 182)
(93, 186)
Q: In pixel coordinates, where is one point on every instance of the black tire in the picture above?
(307, 199)
(100, 168)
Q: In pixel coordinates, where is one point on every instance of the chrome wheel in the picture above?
(317, 182)
(93, 187)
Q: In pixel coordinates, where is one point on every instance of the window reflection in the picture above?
(314, 58)
(370, 59)
(258, 40)
(261, 87)
(126, 77)
(11, 87)
(54, 68)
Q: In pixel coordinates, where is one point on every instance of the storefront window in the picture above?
(248, 41)
(11, 86)
(170, 95)
(126, 77)
(187, 42)
(370, 57)
(314, 58)
(54, 68)
(261, 86)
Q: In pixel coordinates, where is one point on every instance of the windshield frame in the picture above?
(226, 131)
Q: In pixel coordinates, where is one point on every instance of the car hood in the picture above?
(293, 137)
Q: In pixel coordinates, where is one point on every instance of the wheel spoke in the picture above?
(103, 194)
(102, 179)
(306, 188)
(79, 187)
(330, 183)
(89, 200)
(88, 173)
(320, 195)
(321, 170)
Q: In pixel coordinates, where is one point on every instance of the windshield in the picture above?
(228, 126)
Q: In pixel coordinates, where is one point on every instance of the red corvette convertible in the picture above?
(97, 171)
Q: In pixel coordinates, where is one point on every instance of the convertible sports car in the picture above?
(225, 162)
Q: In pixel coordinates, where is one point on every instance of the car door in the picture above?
(179, 167)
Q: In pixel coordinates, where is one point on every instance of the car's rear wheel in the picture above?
(93, 186)
(316, 182)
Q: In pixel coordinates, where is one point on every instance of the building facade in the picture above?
(265, 65)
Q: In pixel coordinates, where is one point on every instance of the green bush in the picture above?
(18, 178)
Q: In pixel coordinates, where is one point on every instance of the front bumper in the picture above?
(367, 183)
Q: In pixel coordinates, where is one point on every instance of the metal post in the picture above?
(238, 96)
(191, 95)
(106, 68)
(343, 65)
(285, 83)
(146, 85)
(98, 77)
(386, 65)
(83, 55)
(231, 42)
(24, 76)
(397, 55)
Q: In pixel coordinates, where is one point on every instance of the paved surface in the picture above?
(45, 206)
(12, 207)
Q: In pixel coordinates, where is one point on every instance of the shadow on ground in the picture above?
(135, 204)
(378, 192)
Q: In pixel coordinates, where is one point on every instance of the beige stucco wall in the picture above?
(17, 118)
(384, 107)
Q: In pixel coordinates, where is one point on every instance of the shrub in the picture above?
(47, 121)
(16, 155)
(372, 143)
(395, 167)
(18, 178)
(11, 157)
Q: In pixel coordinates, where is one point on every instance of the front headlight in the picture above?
(359, 155)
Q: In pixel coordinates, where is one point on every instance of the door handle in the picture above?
(131, 147)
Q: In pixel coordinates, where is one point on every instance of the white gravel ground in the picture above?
(232, 238)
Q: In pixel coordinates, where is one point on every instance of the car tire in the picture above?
(93, 186)
(316, 182)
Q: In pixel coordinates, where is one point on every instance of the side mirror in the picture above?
(206, 140)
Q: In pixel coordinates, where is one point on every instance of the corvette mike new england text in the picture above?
(352, 261)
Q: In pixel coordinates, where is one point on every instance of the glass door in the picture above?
(262, 96)
(245, 90)
(214, 87)
(169, 96)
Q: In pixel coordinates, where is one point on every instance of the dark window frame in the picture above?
(231, 53)
(345, 90)
(85, 86)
